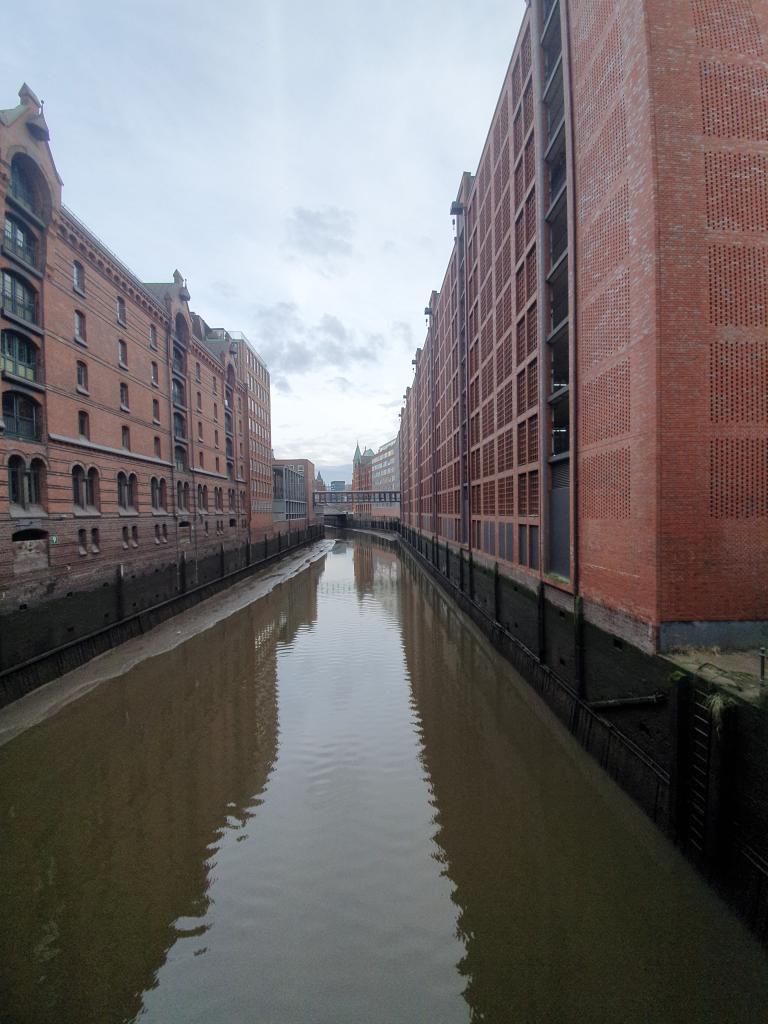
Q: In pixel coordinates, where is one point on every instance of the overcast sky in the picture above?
(295, 159)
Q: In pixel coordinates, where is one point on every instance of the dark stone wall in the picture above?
(38, 644)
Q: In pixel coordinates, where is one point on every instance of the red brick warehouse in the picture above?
(132, 433)
(589, 407)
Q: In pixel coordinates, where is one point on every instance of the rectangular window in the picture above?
(95, 546)
(123, 396)
(157, 448)
(83, 428)
(82, 542)
(126, 438)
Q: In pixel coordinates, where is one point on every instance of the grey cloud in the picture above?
(403, 333)
(341, 383)
(320, 238)
(391, 405)
(290, 344)
(281, 385)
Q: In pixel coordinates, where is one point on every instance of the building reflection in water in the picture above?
(571, 906)
(111, 811)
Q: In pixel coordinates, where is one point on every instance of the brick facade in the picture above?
(588, 407)
(125, 429)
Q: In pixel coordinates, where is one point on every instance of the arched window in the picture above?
(16, 470)
(92, 488)
(231, 499)
(19, 240)
(228, 422)
(19, 297)
(179, 361)
(18, 356)
(154, 493)
(78, 277)
(21, 415)
(78, 487)
(120, 309)
(163, 498)
(25, 483)
(177, 390)
(220, 499)
(182, 330)
(230, 449)
(205, 497)
(122, 491)
(133, 492)
(180, 426)
(199, 497)
(180, 496)
(186, 496)
(83, 425)
(22, 189)
(180, 458)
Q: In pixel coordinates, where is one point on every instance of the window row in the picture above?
(78, 284)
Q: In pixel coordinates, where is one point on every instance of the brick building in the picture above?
(362, 478)
(589, 405)
(385, 476)
(124, 427)
(293, 484)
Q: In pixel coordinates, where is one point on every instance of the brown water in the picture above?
(339, 805)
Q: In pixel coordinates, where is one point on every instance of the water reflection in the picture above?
(572, 907)
(339, 805)
(110, 814)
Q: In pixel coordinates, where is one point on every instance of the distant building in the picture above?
(320, 483)
(385, 476)
(293, 483)
(385, 468)
(362, 464)
(338, 485)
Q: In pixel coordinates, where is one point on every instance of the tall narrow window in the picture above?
(155, 410)
(95, 546)
(123, 396)
(180, 458)
(163, 494)
(126, 438)
(80, 334)
(155, 374)
(83, 425)
(152, 336)
(19, 298)
(122, 352)
(120, 308)
(158, 449)
(92, 488)
(78, 277)
(82, 376)
(154, 490)
(20, 241)
(133, 492)
(78, 487)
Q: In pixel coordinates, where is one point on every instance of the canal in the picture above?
(337, 804)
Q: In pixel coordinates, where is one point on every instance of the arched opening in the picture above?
(181, 329)
(180, 458)
(29, 534)
(133, 492)
(29, 188)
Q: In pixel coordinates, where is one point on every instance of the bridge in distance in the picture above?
(342, 503)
